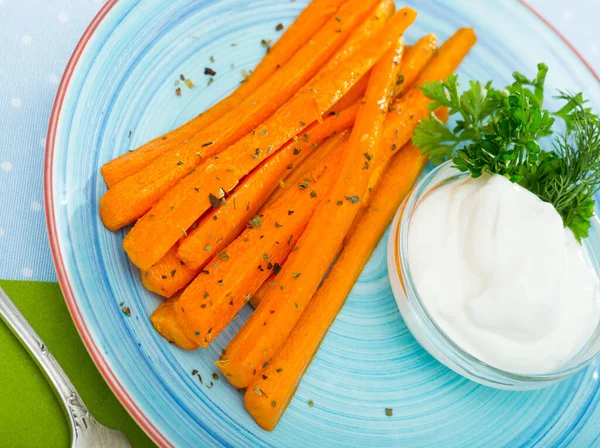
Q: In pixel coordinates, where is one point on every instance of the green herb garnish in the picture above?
(499, 131)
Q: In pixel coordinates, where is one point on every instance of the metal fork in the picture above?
(86, 432)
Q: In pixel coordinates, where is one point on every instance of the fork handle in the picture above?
(77, 413)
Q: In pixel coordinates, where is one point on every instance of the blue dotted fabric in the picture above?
(36, 41)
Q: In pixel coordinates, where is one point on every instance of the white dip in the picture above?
(501, 276)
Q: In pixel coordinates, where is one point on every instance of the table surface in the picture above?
(36, 40)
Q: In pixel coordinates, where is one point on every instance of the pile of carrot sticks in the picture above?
(278, 194)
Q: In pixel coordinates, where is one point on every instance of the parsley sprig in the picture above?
(498, 131)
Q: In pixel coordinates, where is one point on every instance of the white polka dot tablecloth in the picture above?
(36, 41)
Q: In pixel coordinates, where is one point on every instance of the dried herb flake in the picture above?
(214, 201)
(255, 222)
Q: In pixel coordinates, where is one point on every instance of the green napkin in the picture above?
(30, 415)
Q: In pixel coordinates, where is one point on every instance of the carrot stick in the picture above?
(300, 31)
(371, 26)
(134, 196)
(157, 231)
(213, 234)
(408, 111)
(399, 126)
(163, 321)
(168, 275)
(268, 396)
(209, 303)
(232, 216)
(415, 59)
(257, 297)
(412, 107)
(264, 332)
(449, 56)
(306, 166)
(354, 96)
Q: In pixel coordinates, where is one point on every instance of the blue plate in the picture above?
(121, 79)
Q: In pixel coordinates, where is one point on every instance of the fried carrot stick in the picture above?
(260, 337)
(300, 31)
(158, 230)
(268, 396)
(134, 196)
(209, 303)
(412, 107)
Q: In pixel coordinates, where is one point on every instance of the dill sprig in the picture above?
(497, 132)
(569, 176)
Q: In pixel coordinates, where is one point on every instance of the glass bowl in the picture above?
(431, 336)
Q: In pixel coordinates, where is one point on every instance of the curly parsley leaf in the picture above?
(436, 140)
(473, 106)
(497, 132)
(537, 83)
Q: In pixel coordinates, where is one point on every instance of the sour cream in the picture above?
(501, 276)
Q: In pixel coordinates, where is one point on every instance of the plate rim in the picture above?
(117, 388)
